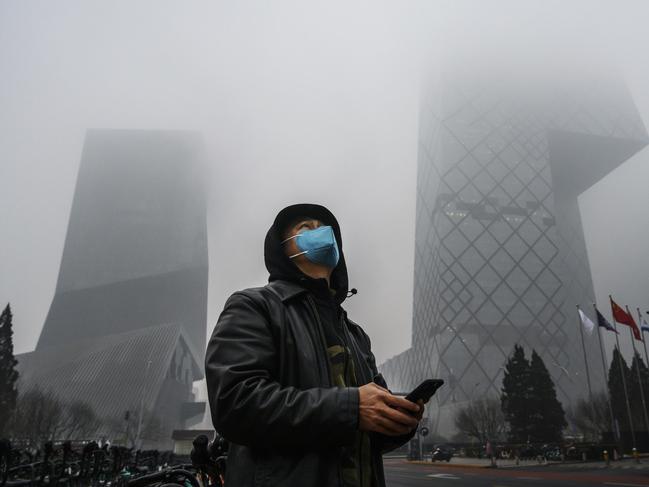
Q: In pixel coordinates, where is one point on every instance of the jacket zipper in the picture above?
(321, 337)
(347, 350)
(355, 351)
(348, 339)
(323, 341)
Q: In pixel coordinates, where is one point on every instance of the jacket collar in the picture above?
(285, 290)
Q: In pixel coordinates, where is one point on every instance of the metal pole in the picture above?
(127, 417)
(421, 445)
(626, 393)
(636, 356)
(583, 347)
(644, 342)
(139, 420)
(608, 393)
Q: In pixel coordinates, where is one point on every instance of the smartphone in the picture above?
(425, 390)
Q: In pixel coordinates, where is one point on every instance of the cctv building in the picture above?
(125, 332)
(500, 255)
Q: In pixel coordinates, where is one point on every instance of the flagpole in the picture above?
(644, 342)
(608, 393)
(626, 393)
(583, 347)
(637, 369)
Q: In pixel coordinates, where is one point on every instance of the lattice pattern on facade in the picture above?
(498, 260)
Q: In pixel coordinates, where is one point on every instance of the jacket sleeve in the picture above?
(385, 443)
(250, 407)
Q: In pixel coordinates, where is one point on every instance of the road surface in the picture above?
(400, 473)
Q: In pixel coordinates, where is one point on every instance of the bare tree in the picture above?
(591, 419)
(79, 421)
(41, 416)
(124, 429)
(38, 417)
(481, 419)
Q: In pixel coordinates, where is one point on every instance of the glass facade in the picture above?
(500, 255)
(126, 327)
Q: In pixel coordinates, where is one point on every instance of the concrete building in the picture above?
(126, 328)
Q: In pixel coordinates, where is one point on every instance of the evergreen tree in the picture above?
(635, 396)
(616, 372)
(546, 416)
(8, 373)
(515, 397)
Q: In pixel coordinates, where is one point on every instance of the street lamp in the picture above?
(475, 386)
(139, 420)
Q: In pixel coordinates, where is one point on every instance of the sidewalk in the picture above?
(479, 463)
(626, 463)
(465, 462)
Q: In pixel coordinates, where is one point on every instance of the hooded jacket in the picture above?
(269, 382)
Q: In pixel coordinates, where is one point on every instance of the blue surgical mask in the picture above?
(319, 245)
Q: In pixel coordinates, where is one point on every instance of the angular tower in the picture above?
(126, 328)
(500, 254)
(135, 253)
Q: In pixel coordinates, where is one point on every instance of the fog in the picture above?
(297, 102)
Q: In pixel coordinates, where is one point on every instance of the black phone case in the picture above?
(425, 390)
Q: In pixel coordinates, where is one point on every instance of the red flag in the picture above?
(625, 318)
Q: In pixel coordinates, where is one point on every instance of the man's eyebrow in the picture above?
(305, 220)
(296, 223)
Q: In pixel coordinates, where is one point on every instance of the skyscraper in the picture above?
(500, 254)
(135, 253)
(126, 328)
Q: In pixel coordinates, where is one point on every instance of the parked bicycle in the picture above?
(115, 466)
(206, 470)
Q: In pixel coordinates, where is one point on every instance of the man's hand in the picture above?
(383, 412)
(420, 414)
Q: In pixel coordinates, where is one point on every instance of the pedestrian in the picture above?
(292, 381)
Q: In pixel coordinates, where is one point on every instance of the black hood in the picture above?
(281, 267)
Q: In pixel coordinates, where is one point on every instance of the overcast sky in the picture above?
(297, 101)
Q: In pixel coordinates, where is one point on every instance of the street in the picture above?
(400, 473)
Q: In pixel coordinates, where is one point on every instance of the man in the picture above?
(292, 381)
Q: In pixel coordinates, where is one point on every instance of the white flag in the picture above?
(585, 320)
(644, 326)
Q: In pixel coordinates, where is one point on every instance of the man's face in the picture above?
(298, 226)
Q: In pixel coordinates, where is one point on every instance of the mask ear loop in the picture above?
(301, 253)
(287, 239)
(295, 255)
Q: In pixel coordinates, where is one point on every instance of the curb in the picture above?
(445, 464)
(476, 465)
(535, 465)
